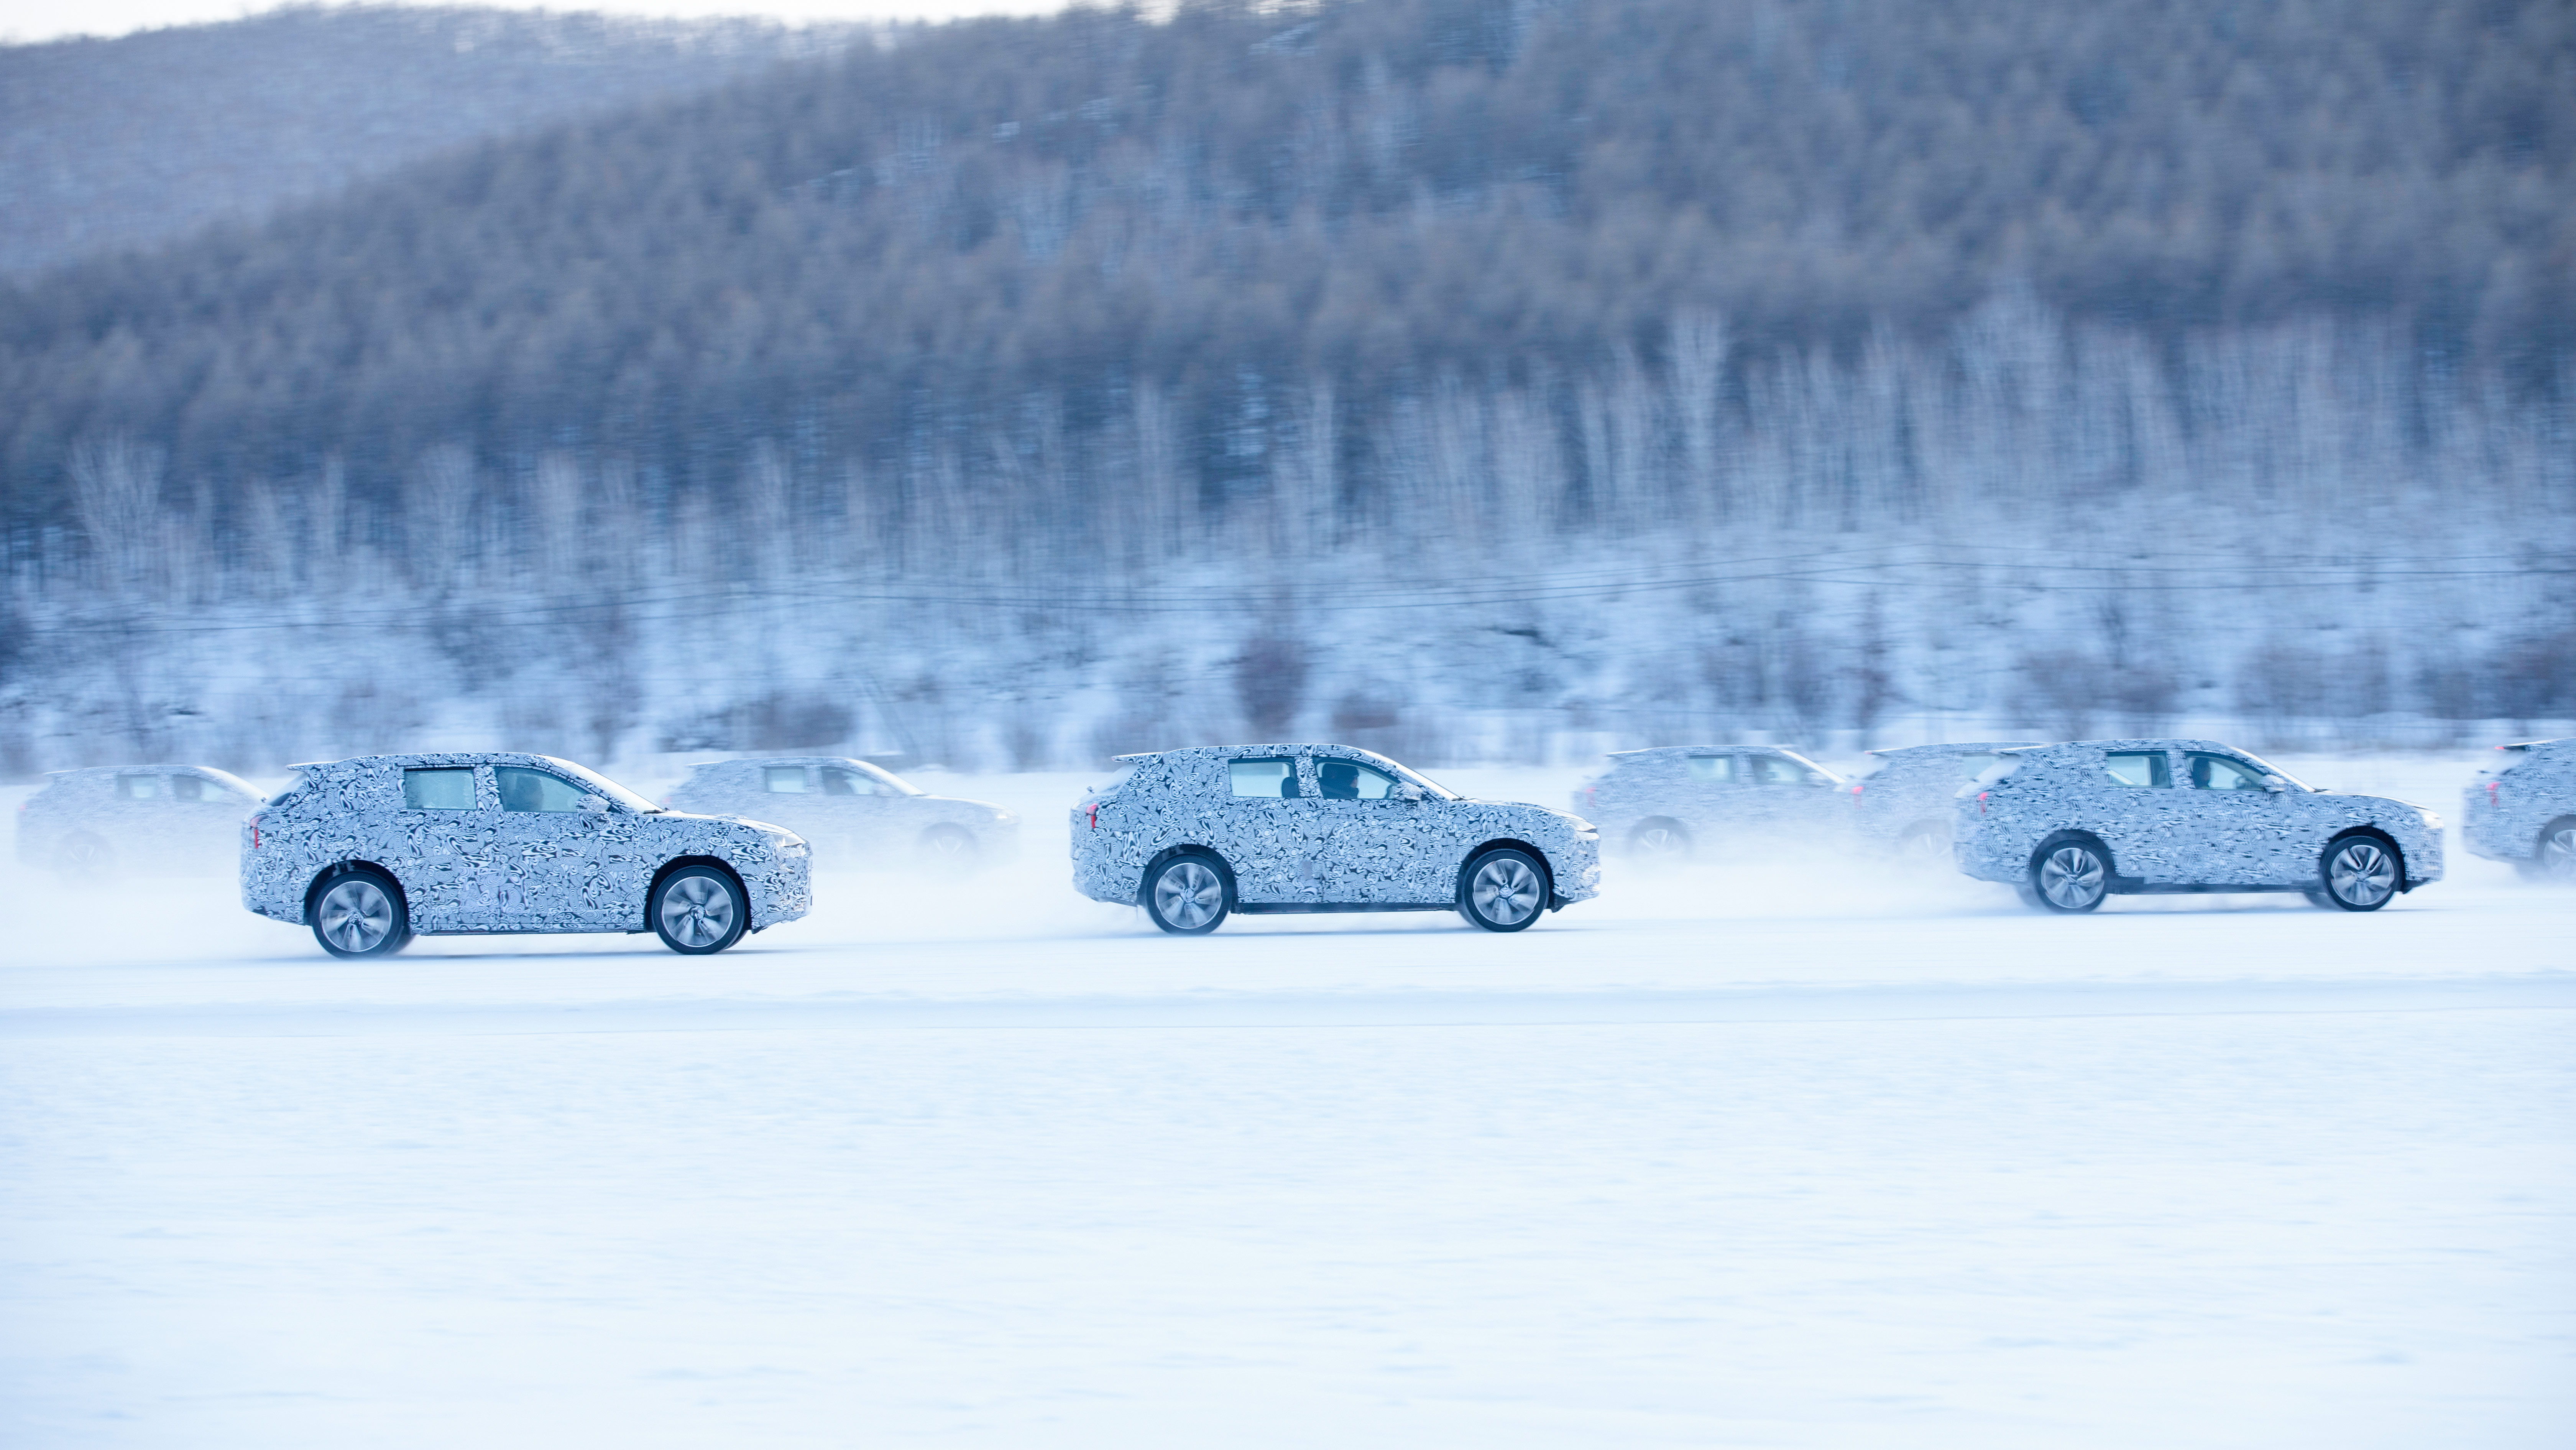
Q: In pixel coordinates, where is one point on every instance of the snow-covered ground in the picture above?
(1778, 1151)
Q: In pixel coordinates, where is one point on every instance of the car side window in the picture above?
(1273, 779)
(783, 779)
(523, 789)
(1772, 770)
(138, 787)
(2141, 768)
(438, 790)
(1712, 769)
(837, 781)
(187, 788)
(1348, 780)
(2217, 772)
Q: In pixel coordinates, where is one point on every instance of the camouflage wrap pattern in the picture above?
(887, 822)
(1715, 792)
(177, 819)
(1303, 850)
(1914, 789)
(2528, 789)
(2173, 836)
(487, 869)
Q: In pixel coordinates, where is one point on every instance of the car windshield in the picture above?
(1429, 786)
(609, 788)
(894, 784)
(2263, 766)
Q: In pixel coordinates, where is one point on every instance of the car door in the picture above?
(1708, 795)
(2137, 812)
(552, 875)
(2237, 832)
(1379, 848)
(1787, 792)
(441, 848)
(864, 816)
(1270, 832)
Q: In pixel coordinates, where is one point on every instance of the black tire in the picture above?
(1504, 889)
(82, 857)
(2317, 898)
(1188, 895)
(2360, 873)
(1659, 841)
(698, 911)
(2553, 854)
(950, 848)
(358, 912)
(2069, 875)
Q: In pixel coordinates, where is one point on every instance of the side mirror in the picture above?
(2275, 784)
(1406, 790)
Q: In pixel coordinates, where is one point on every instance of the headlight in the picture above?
(2432, 820)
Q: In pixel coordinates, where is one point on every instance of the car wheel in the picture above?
(698, 911)
(81, 856)
(1188, 895)
(1660, 841)
(2553, 856)
(2360, 873)
(2317, 897)
(949, 848)
(1504, 889)
(2070, 876)
(1925, 843)
(360, 913)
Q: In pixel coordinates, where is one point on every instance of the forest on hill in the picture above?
(1032, 388)
(107, 145)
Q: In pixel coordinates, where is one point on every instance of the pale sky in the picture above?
(29, 20)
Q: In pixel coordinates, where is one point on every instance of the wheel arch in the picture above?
(2072, 835)
(1224, 868)
(351, 867)
(1546, 866)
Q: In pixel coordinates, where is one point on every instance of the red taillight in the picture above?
(1095, 815)
(254, 835)
(2492, 787)
(1981, 801)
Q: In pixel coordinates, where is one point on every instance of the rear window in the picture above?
(2141, 768)
(1256, 779)
(438, 790)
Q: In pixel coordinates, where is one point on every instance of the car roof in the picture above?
(1958, 747)
(1706, 750)
(2218, 747)
(2528, 745)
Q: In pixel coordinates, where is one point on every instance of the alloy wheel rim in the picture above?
(1188, 895)
(2071, 876)
(2558, 853)
(2362, 873)
(697, 911)
(1927, 845)
(1505, 891)
(356, 916)
(1659, 841)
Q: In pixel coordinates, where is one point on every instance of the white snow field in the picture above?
(1779, 1151)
